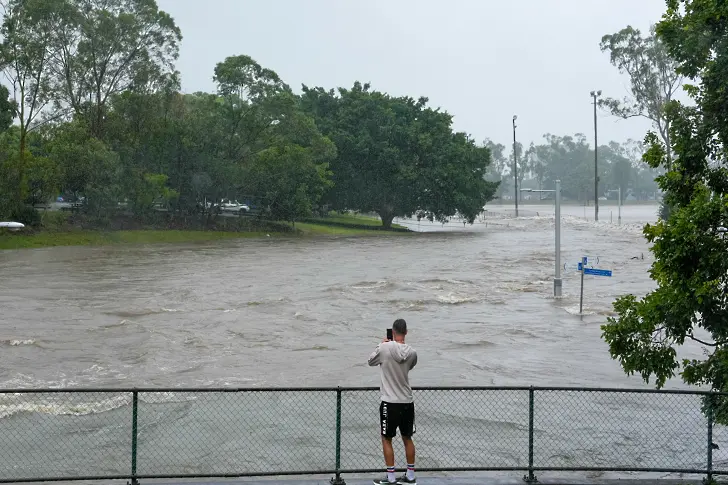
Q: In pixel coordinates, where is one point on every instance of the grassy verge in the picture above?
(307, 228)
(355, 220)
(103, 238)
(60, 235)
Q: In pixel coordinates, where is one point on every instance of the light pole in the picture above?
(515, 163)
(557, 232)
(596, 171)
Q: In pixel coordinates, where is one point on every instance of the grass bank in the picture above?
(104, 238)
(357, 221)
(60, 233)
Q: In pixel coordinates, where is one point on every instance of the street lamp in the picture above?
(596, 172)
(557, 231)
(515, 163)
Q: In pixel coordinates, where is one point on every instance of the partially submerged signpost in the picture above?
(589, 271)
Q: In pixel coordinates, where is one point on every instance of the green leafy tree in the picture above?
(524, 166)
(108, 47)
(292, 174)
(537, 165)
(43, 179)
(571, 160)
(289, 181)
(498, 168)
(87, 167)
(255, 99)
(654, 80)
(621, 172)
(690, 303)
(397, 157)
(149, 133)
(148, 192)
(7, 109)
(25, 55)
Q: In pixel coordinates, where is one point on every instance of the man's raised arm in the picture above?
(374, 358)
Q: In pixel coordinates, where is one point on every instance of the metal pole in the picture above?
(619, 217)
(134, 433)
(710, 438)
(515, 164)
(581, 295)
(337, 480)
(530, 478)
(596, 170)
(557, 249)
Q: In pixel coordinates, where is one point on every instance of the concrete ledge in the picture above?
(441, 480)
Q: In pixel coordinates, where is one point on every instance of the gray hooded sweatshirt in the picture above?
(395, 360)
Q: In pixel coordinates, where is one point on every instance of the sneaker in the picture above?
(403, 479)
(385, 481)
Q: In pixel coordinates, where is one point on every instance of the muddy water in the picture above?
(278, 312)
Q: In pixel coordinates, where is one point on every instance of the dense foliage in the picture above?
(571, 160)
(690, 303)
(99, 119)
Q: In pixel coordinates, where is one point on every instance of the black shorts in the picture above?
(397, 415)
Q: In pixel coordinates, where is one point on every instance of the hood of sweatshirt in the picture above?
(399, 352)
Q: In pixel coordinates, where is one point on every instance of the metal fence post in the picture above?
(710, 438)
(530, 478)
(337, 480)
(134, 432)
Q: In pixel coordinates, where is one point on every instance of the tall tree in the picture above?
(27, 42)
(255, 99)
(291, 172)
(690, 303)
(396, 156)
(537, 166)
(498, 169)
(107, 47)
(621, 170)
(654, 80)
(524, 165)
(571, 160)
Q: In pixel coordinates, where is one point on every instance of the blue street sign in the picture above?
(578, 266)
(598, 272)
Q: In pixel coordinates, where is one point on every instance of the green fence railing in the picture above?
(135, 434)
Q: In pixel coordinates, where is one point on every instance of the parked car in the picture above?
(234, 206)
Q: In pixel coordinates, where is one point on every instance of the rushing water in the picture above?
(307, 312)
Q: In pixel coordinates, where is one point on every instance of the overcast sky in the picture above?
(481, 60)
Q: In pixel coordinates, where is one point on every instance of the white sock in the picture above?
(410, 472)
(390, 474)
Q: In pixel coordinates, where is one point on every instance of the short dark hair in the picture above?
(400, 326)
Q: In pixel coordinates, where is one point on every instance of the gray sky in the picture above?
(481, 60)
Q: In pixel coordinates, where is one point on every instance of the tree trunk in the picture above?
(387, 218)
(21, 166)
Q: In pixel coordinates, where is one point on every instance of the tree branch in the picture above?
(714, 344)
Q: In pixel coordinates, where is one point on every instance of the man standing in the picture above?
(397, 409)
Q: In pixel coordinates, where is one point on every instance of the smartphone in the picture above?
(389, 334)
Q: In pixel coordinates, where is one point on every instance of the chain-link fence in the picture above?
(177, 433)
